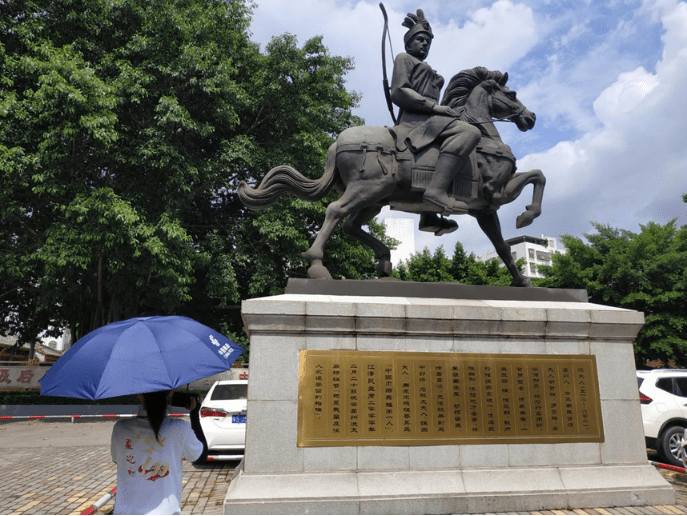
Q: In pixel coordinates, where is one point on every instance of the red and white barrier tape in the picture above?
(79, 416)
(105, 498)
(667, 466)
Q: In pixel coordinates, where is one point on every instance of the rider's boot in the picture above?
(436, 193)
(433, 223)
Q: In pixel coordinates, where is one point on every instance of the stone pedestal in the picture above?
(278, 477)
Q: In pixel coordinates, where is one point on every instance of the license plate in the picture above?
(238, 419)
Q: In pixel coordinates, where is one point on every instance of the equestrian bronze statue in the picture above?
(440, 159)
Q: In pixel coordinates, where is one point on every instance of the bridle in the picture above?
(506, 106)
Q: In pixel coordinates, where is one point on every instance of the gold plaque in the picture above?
(393, 398)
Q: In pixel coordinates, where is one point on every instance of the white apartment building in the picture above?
(535, 251)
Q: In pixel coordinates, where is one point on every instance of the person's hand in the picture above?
(444, 111)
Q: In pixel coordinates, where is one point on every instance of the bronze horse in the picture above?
(370, 169)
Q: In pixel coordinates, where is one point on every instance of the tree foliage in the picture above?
(461, 268)
(125, 128)
(645, 271)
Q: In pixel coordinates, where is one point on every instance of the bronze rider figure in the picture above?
(422, 120)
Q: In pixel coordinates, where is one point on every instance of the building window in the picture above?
(515, 255)
(531, 253)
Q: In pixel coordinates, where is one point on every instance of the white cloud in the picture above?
(624, 97)
(494, 37)
(632, 169)
(657, 8)
(577, 67)
(628, 166)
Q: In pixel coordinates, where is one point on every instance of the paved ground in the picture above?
(63, 468)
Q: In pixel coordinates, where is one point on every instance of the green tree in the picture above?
(461, 268)
(125, 128)
(425, 266)
(645, 271)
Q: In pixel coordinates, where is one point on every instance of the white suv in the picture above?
(663, 399)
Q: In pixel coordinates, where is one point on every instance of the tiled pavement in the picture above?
(68, 479)
(203, 491)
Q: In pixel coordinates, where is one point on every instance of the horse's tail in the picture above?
(283, 180)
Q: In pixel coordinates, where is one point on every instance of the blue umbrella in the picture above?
(143, 354)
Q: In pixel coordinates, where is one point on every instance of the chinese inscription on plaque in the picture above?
(358, 398)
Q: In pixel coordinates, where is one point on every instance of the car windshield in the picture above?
(230, 392)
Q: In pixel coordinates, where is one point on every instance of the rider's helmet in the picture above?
(416, 24)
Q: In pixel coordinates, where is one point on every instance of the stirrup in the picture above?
(445, 209)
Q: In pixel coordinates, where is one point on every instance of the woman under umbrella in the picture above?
(148, 451)
(151, 355)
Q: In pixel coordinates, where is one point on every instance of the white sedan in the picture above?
(223, 419)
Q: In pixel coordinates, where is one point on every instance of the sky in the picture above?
(607, 80)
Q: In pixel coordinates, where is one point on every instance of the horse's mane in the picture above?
(462, 84)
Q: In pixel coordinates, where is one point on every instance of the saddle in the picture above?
(415, 169)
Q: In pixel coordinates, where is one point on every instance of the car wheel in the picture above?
(671, 445)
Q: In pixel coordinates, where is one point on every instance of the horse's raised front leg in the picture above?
(358, 196)
(489, 222)
(514, 188)
(353, 228)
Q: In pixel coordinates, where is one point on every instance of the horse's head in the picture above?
(482, 95)
(505, 104)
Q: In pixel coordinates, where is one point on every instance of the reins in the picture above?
(500, 119)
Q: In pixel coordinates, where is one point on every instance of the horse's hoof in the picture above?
(524, 219)
(531, 212)
(521, 282)
(384, 268)
(310, 257)
(318, 271)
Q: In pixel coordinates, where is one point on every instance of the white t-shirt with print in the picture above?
(149, 473)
